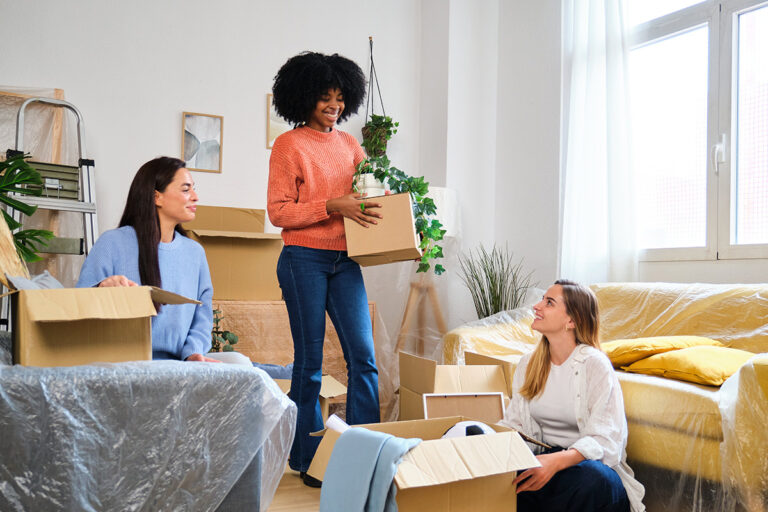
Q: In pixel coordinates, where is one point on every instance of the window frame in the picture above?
(720, 18)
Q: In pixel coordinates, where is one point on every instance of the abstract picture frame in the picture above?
(276, 125)
(202, 141)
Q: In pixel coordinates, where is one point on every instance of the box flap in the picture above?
(466, 379)
(485, 407)
(329, 387)
(417, 373)
(226, 218)
(110, 303)
(443, 461)
(165, 297)
(507, 362)
(202, 233)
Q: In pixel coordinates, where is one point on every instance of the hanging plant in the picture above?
(18, 177)
(376, 133)
(378, 130)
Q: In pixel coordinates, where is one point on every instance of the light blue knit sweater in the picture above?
(179, 330)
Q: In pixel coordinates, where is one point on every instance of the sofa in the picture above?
(693, 446)
(143, 435)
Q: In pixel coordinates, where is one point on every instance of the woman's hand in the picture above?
(117, 281)
(354, 206)
(535, 478)
(202, 359)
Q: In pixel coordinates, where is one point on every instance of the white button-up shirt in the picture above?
(599, 408)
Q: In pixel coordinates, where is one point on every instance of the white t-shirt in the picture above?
(553, 410)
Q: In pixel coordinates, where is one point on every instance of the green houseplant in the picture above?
(17, 176)
(429, 229)
(495, 281)
(376, 133)
(221, 340)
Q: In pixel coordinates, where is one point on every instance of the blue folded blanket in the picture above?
(360, 473)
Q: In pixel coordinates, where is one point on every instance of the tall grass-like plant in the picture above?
(495, 281)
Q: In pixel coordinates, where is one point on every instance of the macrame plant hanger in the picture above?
(373, 78)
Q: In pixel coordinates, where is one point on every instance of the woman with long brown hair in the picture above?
(150, 248)
(567, 396)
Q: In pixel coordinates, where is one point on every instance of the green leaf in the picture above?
(232, 338)
(439, 269)
(423, 267)
(228, 348)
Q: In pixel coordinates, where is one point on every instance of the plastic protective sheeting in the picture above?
(162, 435)
(693, 447)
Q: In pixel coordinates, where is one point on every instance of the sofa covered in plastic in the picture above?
(694, 447)
(149, 435)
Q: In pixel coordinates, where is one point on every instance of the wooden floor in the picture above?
(293, 496)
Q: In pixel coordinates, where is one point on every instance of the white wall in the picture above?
(528, 131)
(133, 67)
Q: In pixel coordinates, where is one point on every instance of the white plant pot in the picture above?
(369, 186)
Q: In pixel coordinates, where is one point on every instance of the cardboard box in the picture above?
(420, 376)
(393, 239)
(331, 390)
(74, 326)
(485, 407)
(242, 258)
(473, 473)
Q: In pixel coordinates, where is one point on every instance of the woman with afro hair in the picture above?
(309, 194)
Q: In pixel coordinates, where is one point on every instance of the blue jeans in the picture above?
(315, 281)
(585, 487)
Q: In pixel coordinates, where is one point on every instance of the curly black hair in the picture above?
(304, 78)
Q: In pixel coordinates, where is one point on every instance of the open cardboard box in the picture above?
(473, 473)
(242, 258)
(73, 326)
(392, 239)
(420, 376)
(330, 388)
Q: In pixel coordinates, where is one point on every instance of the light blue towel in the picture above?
(360, 473)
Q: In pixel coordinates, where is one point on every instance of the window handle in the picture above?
(718, 153)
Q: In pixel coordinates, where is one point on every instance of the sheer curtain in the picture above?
(597, 226)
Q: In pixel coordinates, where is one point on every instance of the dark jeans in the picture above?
(315, 281)
(586, 487)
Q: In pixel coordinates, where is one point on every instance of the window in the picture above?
(699, 108)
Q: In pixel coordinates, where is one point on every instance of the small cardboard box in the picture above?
(330, 389)
(393, 239)
(420, 376)
(74, 326)
(242, 258)
(463, 474)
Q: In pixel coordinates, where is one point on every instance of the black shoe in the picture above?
(310, 481)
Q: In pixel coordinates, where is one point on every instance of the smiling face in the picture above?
(327, 111)
(178, 202)
(550, 315)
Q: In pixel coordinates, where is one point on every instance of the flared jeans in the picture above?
(314, 281)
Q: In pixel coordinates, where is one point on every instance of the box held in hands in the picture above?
(392, 239)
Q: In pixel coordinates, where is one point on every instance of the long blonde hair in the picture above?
(581, 306)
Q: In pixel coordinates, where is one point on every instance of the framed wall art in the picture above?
(276, 125)
(202, 141)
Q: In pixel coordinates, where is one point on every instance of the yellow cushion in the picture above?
(706, 365)
(626, 352)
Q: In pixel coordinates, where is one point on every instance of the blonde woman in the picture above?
(567, 396)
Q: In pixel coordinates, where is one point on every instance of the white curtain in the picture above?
(597, 224)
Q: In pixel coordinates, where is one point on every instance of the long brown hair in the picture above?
(581, 306)
(141, 213)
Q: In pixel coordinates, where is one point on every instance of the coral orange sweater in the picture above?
(307, 168)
